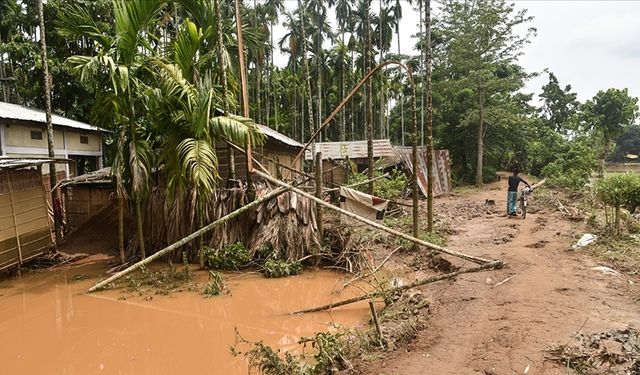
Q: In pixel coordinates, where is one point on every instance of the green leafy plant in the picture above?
(390, 187)
(215, 286)
(617, 191)
(231, 257)
(281, 268)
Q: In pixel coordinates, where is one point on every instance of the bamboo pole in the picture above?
(319, 194)
(374, 224)
(187, 239)
(497, 264)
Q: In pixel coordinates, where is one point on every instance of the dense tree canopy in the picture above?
(480, 111)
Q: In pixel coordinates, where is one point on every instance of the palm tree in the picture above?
(343, 16)
(151, 103)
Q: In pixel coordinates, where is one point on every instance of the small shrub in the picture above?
(269, 362)
(617, 191)
(281, 268)
(231, 257)
(215, 286)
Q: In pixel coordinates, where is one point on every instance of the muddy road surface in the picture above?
(476, 327)
(49, 326)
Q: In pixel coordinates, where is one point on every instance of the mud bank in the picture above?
(48, 325)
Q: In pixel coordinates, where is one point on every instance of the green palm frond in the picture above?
(236, 129)
(76, 21)
(199, 164)
(139, 162)
(186, 47)
(131, 17)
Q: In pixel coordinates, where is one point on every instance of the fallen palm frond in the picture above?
(169, 220)
(288, 226)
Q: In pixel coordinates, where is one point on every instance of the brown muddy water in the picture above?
(49, 326)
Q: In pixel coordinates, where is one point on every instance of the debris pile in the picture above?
(612, 352)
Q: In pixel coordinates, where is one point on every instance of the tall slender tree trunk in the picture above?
(307, 79)
(343, 117)
(401, 91)
(428, 63)
(245, 97)
(353, 102)
(121, 228)
(369, 102)
(258, 115)
(382, 76)
(480, 150)
(53, 178)
(225, 90)
(421, 81)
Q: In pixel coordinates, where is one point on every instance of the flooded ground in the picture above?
(49, 326)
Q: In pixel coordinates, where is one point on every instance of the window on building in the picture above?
(36, 134)
(84, 139)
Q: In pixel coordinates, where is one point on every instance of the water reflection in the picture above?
(49, 326)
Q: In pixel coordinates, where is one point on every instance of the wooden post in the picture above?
(318, 160)
(374, 224)
(121, 228)
(430, 174)
(187, 239)
(15, 219)
(374, 315)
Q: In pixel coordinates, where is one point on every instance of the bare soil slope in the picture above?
(476, 327)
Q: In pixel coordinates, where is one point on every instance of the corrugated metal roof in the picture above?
(382, 148)
(279, 136)
(11, 111)
(15, 163)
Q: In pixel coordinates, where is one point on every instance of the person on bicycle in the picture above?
(512, 192)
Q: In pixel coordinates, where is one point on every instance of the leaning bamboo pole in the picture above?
(497, 264)
(374, 224)
(188, 239)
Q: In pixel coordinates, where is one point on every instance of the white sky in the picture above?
(592, 45)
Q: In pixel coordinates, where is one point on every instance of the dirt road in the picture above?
(475, 327)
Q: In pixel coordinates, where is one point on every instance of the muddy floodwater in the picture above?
(49, 326)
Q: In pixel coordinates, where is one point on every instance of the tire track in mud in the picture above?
(476, 328)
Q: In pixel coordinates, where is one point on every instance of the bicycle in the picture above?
(524, 194)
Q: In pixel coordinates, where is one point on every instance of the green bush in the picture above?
(231, 257)
(391, 187)
(572, 168)
(281, 268)
(621, 190)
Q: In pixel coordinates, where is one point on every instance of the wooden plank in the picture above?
(15, 223)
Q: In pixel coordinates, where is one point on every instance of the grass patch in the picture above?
(622, 253)
(215, 286)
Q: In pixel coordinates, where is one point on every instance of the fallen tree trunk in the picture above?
(493, 265)
(187, 239)
(394, 232)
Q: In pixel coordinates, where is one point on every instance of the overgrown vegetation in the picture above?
(232, 257)
(161, 282)
(329, 356)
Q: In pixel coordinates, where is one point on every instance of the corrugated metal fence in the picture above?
(441, 169)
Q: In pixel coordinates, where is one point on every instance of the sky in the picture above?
(590, 44)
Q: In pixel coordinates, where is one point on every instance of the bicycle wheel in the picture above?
(524, 209)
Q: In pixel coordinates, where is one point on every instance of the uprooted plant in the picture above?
(216, 285)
